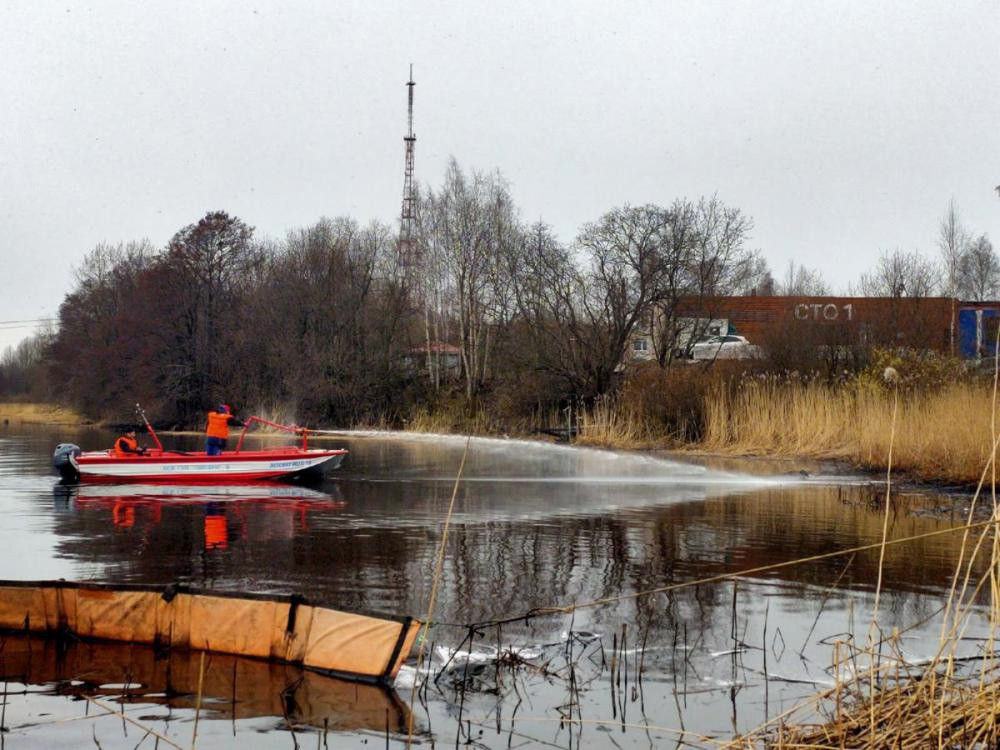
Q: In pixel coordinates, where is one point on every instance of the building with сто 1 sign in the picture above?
(941, 324)
(920, 323)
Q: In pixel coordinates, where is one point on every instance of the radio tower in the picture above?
(407, 219)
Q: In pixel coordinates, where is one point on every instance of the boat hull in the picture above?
(200, 467)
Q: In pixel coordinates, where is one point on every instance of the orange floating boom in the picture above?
(288, 629)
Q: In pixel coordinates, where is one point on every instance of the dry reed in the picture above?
(941, 435)
(613, 425)
(951, 700)
(449, 421)
(38, 413)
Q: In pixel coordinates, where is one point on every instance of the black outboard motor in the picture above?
(63, 461)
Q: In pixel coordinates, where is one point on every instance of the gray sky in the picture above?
(842, 128)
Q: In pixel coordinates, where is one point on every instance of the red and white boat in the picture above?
(158, 463)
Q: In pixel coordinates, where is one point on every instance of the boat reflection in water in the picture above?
(129, 503)
(233, 688)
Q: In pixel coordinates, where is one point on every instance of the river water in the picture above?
(533, 526)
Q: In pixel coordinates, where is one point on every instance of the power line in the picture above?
(25, 328)
(27, 321)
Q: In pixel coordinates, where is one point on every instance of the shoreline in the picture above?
(31, 412)
(902, 480)
(39, 413)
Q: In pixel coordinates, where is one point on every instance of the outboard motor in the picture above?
(63, 461)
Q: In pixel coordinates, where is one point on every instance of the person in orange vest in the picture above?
(217, 429)
(127, 445)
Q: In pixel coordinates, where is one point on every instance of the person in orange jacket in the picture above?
(127, 445)
(217, 429)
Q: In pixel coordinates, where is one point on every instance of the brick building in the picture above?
(943, 324)
(923, 323)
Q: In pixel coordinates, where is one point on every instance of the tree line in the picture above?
(339, 323)
(965, 266)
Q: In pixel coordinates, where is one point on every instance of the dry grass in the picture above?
(35, 413)
(942, 435)
(611, 425)
(879, 699)
(435, 422)
(454, 420)
(908, 714)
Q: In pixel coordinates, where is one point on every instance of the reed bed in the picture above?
(942, 435)
(441, 421)
(610, 424)
(880, 699)
(456, 420)
(962, 714)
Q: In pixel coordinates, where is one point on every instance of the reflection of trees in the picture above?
(504, 568)
(376, 554)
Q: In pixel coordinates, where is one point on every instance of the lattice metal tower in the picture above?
(408, 218)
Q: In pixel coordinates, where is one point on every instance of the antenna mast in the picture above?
(407, 219)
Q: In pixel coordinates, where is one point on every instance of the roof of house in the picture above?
(436, 347)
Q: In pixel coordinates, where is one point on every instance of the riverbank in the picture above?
(943, 436)
(39, 413)
(940, 438)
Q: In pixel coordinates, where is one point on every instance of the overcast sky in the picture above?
(842, 128)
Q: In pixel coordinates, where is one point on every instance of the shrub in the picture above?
(919, 370)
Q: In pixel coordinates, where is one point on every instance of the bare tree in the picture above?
(325, 324)
(716, 264)
(567, 336)
(430, 284)
(640, 265)
(953, 245)
(760, 281)
(800, 281)
(466, 227)
(900, 274)
(979, 273)
(22, 367)
(631, 267)
(682, 252)
(722, 263)
(209, 263)
(93, 352)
